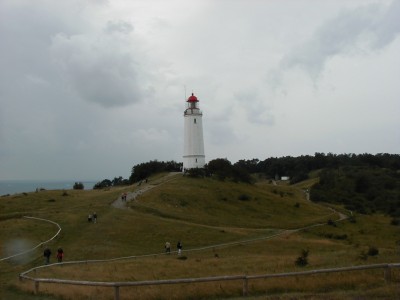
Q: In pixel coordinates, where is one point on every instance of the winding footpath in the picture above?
(143, 187)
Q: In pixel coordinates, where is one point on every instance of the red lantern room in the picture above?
(192, 98)
(192, 101)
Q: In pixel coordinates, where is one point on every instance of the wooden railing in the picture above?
(244, 278)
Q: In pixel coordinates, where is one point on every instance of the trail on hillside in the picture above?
(142, 187)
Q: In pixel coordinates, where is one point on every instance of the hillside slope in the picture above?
(236, 225)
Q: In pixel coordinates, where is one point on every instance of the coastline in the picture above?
(11, 187)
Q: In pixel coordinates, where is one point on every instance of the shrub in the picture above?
(395, 222)
(103, 184)
(352, 219)
(183, 203)
(78, 186)
(196, 172)
(331, 223)
(302, 260)
(244, 197)
(373, 251)
(340, 236)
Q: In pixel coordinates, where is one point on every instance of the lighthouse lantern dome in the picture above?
(192, 98)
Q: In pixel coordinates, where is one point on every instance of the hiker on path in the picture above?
(168, 247)
(46, 254)
(179, 247)
(60, 254)
(94, 217)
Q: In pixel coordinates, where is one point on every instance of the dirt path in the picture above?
(143, 187)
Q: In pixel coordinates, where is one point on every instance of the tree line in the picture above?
(362, 182)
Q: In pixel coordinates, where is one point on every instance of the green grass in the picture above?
(234, 220)
(211, 202)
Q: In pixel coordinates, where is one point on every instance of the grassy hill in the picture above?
(226, 229)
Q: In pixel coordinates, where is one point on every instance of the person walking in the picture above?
(89, 218)
(47, 254)
(94, 217)
(167, 247)
(179, 247)
(60, 255)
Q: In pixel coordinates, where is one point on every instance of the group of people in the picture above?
(168, 247)
(92, 217)
(123, 197)
(47, 255)
(60, 252)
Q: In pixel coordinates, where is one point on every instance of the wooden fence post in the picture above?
(245, 286)
(116, 292)
(36, 286)
(388, 274)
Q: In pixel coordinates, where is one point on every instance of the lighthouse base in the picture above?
(193, 161)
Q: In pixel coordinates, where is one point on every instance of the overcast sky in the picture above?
(89, 89)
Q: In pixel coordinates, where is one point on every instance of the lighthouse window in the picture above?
(194, 121)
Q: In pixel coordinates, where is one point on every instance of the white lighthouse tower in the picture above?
(193, 152)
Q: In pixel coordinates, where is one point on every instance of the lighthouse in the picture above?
(193, 151)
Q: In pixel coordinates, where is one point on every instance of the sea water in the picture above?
(10, 187)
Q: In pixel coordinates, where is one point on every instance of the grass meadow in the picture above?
(226, 229)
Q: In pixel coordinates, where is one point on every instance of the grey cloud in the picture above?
(350, 31)
(119, 26)
(255, 107)
(219, 133)
(100, 69)
(387, 27)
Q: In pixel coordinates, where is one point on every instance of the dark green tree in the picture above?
(78, 186)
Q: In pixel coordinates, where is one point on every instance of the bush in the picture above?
(373, 251)
(78, 186)
(103, 184)
(331, 223)
(196, 172)
(244, 197)
(395, 222)
(340, 236)
(302, 260)
(352, 219)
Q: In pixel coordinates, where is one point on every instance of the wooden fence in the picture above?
(244, 278)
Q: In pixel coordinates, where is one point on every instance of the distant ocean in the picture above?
(20, 186)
